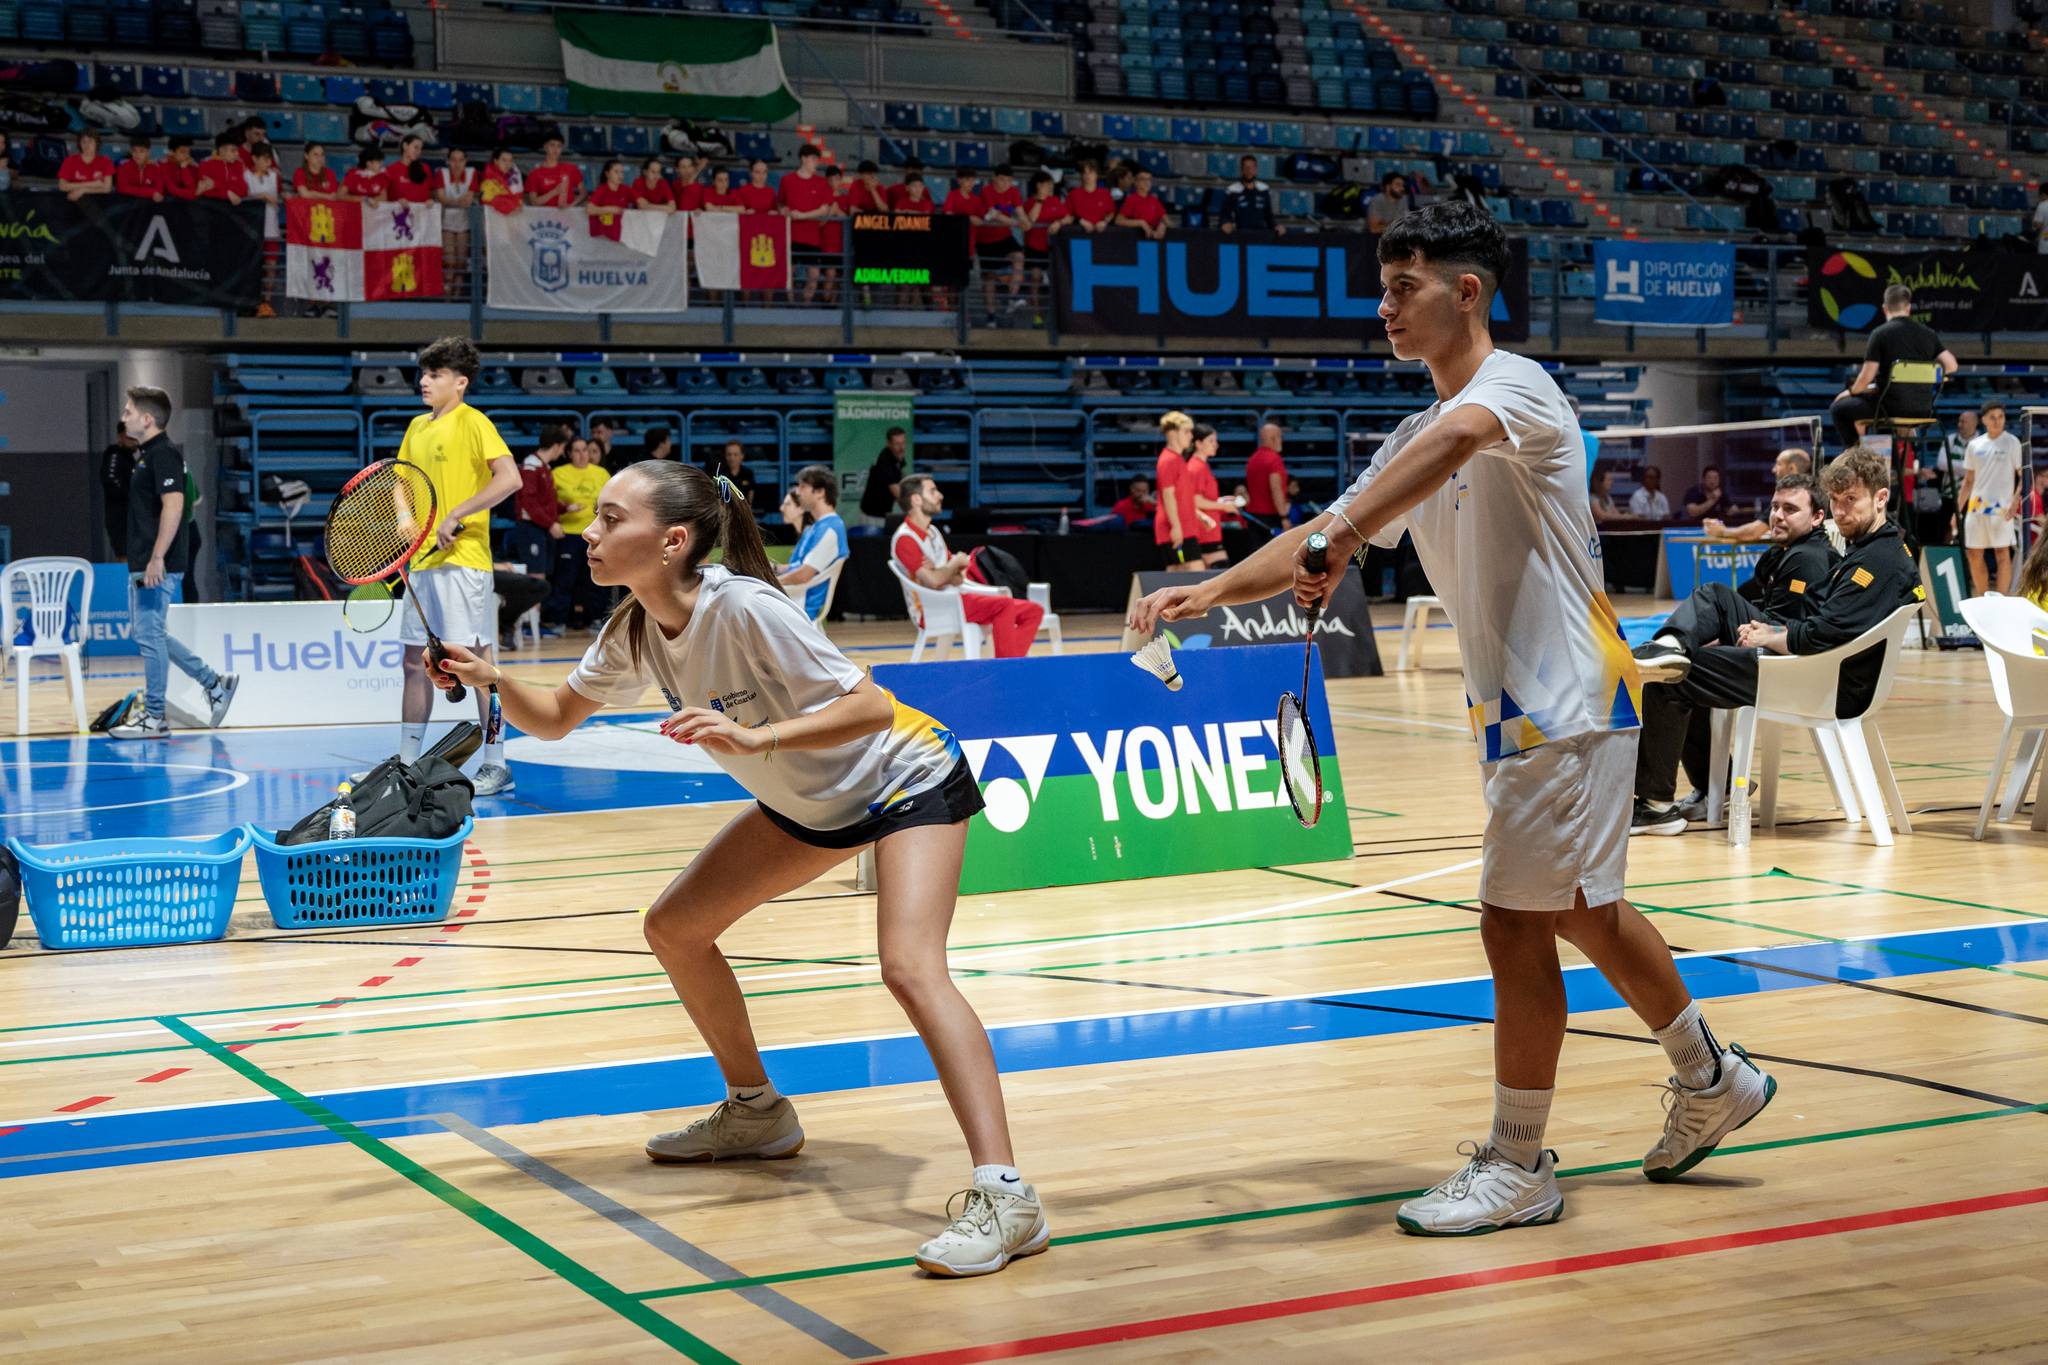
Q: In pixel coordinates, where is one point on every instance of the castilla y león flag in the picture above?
(338, 251)
(742, 250)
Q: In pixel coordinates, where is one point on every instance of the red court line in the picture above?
(88, 1102)
(1444, 1284)
(163, 1075)
(375, 981)
(407, 962)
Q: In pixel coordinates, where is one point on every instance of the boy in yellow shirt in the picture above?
(472, 471)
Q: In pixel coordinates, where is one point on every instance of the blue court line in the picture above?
(44, 1146)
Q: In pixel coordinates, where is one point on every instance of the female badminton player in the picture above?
(835, 764)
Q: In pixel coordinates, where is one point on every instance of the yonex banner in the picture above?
(1664, 284)
(1211, 284)
(549, 260)
(1094, 772)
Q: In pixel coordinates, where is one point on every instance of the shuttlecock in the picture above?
(1157, 659)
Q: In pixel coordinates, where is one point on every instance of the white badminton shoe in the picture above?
(1488, 1194)
(993, 1227)
(733, 1132)
(1695, 1121)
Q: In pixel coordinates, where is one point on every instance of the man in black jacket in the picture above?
(1707, 653)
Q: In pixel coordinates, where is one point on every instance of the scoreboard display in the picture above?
(911, 250)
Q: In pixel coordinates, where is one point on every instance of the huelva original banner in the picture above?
(1094, 772)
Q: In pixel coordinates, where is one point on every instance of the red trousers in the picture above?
(1012, 621)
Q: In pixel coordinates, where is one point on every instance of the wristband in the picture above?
(774, 739)
(1339, 514)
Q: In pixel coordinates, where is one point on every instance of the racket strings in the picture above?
(379, 522)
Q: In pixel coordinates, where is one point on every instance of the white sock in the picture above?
(1519, 1118)
(762, 1096)
(413, 736)
(1695, 1053)
(998, 1177)
(495, 753)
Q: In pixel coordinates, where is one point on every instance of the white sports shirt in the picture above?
(752, 653)
(1509, 544)
(1997, 467)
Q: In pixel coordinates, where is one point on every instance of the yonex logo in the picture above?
(1160, 772)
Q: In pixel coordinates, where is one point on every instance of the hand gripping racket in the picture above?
(379, 521)
(1301, 770)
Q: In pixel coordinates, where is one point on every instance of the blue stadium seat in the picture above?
(1159, 162)
(117, 78)
(263, 25)
(211, 83)
(163, 82)
(1155, 128)
(519, 99)
(384, 90)
(391, 39)
(941, 118)
(755, 147)
(554, 99)
(585, 139)
(977, 118)
(632, 140)
(324, 126)
(1288, 134)
(972, 152)
(1048, 123)
(282, 126)
(432, 94)
(182, 120)
(87, 23)
(476, 92)
(1119, 127)
(936, 152)
(1013, 122)
(298, 88)
(132, 23)
(904, 116)
(344, 89)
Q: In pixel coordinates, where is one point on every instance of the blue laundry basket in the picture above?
(359, 881)
(132, 893)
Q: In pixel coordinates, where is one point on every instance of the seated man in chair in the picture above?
(920, 548)
(1706, 654)
(1902, 366)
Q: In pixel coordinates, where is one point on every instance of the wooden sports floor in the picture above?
(425, 1143)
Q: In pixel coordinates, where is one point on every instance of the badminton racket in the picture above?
(1301, 770)
(367, 607)
(379, 521)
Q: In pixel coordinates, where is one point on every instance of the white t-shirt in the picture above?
(449, 189)
(752, 653)
(2041, 223)
(1649, 506)
(1996, 463)
(1508, 543)
(265, 184)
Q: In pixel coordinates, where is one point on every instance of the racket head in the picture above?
(1301, 768)
(379, 521)
(367, 607)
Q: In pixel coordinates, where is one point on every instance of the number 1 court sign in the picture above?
(1094, 772)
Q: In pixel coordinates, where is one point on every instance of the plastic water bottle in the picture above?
(1063, 521)
(341, 820)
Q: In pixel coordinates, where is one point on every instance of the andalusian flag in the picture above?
(673, 66)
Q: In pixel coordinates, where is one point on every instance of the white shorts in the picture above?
(1557, 822)
(1995, 532)
(459, 602)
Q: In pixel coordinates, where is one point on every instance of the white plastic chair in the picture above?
(1800, 690)
(44, 584)
(799, 591)
(2019, 680)
(1414, 621)
(1049, 625)
(939, 615)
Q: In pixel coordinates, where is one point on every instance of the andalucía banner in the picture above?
(340, 251)
(673, 66)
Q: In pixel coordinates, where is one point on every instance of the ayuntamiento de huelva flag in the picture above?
(673, 66)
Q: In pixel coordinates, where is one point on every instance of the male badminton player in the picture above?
(835, 764)
(1491, 482)
(472, 471)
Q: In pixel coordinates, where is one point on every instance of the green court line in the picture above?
(559, 1263)
(1332, 1205)
(1916, 895)
(1830, 938)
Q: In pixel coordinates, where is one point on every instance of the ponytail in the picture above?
(717, 514)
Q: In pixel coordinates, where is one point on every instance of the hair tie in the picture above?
(724, 488)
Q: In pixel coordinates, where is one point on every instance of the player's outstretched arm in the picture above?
(544, 713)
(1269, 569)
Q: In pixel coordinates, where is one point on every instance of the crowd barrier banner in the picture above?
(1953, 291)
(1309, 285)
(342, 252)
(1664, 284)
(910, 249)
(547, 260)
(299, 664)
(1691, 559)
(1094, 772)
(1344, 635)
(106, 617)
(860, 430)
(742, 250)
(201, 253)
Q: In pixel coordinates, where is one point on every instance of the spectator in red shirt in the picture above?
(757, 195)
(1046, 213)
(86, 171)
(367, 183)
(537, 502)
(1265, 477)
(866, 194)
(503, 189)
(1091, 205)
(609, 202)
(722, 197)
(996, 243)
(315, 179)
(555, 183)
(1137, 506)
(920, 548)
(912, 195)
(689, 189)
(1173, 525)
(410, 180)
(136, 177)
(832, 235)
(181, 172)
(221, 175)
(806, 199)
(1200, 480)
(963, 199)
(651, 190)
(1141, 208)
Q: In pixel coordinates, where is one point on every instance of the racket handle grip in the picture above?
(1316, 553)
(436, 658)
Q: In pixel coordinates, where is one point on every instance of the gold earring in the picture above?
(664, 556)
